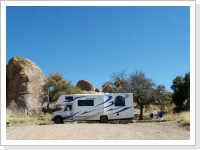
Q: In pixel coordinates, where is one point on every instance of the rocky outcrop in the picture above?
(26, 87)
(109, 87)
(117, 87)
(52, 106)
(85, 85)
(88, 92)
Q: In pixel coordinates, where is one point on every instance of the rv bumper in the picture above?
(52, 119)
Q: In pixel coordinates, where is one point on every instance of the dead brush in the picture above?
(20, 119)
(182, 117)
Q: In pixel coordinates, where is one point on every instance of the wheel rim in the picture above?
(58, 120)
(103, 119)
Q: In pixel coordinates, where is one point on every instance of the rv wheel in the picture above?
(103, 119)
(58, 120)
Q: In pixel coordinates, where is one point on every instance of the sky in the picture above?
(93, 42)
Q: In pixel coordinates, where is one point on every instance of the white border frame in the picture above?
(97, 3)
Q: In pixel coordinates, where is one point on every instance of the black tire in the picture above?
(58, 120)
(104, 119)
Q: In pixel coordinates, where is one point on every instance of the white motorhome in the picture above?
(99, 106)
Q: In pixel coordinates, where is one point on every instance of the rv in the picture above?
(99, 107)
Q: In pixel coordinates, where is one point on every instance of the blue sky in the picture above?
(93, 42)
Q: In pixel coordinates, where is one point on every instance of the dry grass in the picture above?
(183, 117)
(19, 119)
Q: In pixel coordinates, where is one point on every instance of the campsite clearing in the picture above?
(169, 130)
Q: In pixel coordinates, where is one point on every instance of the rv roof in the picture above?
(97, 94)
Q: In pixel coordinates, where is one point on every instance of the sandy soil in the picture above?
(84, 131)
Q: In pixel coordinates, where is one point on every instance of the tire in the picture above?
(58, 120)
(103, 119)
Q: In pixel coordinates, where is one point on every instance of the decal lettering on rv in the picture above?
(90, 98)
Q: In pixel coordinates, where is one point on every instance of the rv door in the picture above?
(68, 115)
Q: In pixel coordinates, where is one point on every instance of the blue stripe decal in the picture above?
(112, 103)
(109, 98)
(87, 112)
(70, 116)
(114, 108)
(126, 96)
(70, 100)
(122, 110)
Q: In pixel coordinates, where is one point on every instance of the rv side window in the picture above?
(68, 108)
(119, 101)
(85, 102)
(68, 97)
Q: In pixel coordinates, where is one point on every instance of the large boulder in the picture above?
(109, 87)
(88, 92)
(117, 87)
(85, 85)
(52, 106)
(98, 90)
(26, 87)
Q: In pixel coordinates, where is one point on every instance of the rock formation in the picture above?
(26, 87)
(88, 92)
(117, 87)
(109, 87)
(85, 85)
(98, 89)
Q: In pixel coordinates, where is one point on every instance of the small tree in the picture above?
(59, 86)
(143, 90)
(181, 88)
(163, 98)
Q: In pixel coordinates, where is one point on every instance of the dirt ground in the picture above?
(96, 131)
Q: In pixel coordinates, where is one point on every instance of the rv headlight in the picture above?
(52, 114)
